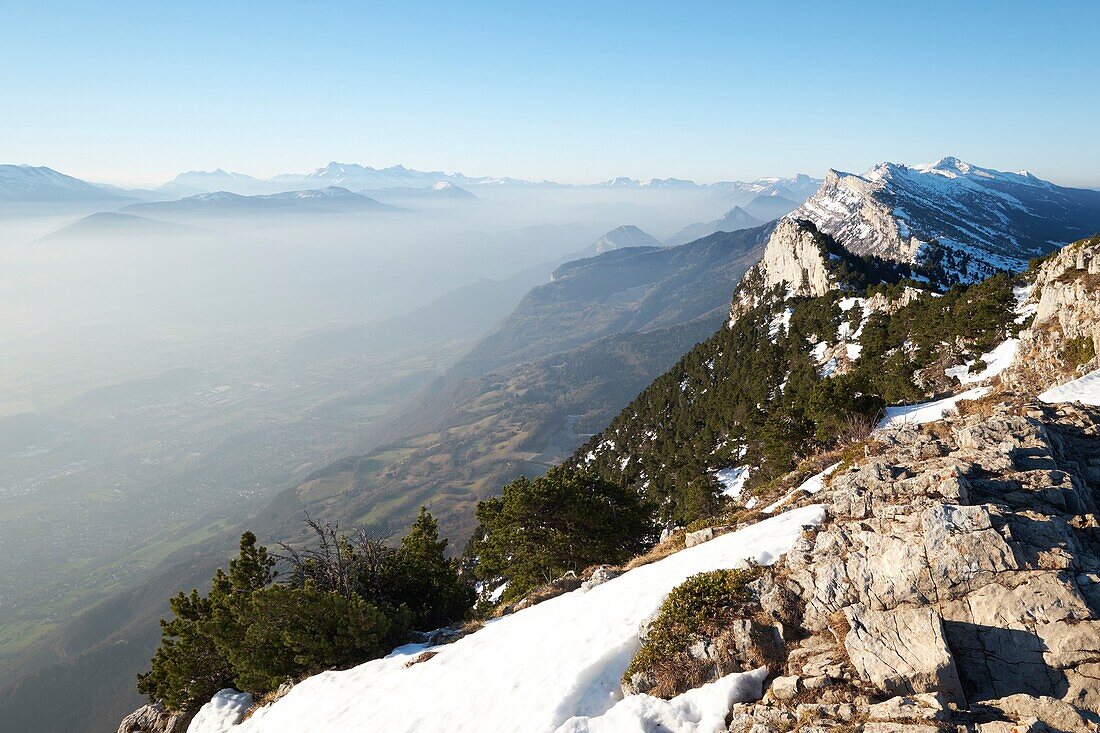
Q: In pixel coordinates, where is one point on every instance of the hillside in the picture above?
(933, 572)
(25, 183)
(331, 199)
(571, 354)
(631, 289)
(733, 220)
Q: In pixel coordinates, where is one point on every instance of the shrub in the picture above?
(1078, 351)
(700, 606)
(566, 520)
(345, 601)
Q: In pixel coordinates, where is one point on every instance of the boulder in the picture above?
(927, 706)
(786, 688)
(155, 718)
(902, 651)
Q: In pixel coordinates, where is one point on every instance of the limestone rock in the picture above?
(902, 651)
(927, 706)
(785, 688)
(155, 718)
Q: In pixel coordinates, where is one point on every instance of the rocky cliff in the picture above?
(954, 583)
(957, 221)
(1064, 337)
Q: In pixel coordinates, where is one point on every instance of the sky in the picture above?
(133, 93)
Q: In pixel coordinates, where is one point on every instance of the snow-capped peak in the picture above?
(966, 220)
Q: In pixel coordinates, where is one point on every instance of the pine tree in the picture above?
(426, 581)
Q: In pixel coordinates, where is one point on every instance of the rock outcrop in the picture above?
(957, 582)
(155, 719)
(1066, 302)
(794, 261)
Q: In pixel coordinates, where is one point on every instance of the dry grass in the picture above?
(984, 407)
(422, 657)
(673, 544)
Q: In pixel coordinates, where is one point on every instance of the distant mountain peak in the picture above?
(622, 237)
(963, 220)
(39, 183)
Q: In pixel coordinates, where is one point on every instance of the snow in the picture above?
(1085, 390)
(996, 362)
(1024, 309)
(533, 670)
(926, 412)
(811, 486)
(702, 710)
(498, 592)
(781, 321)
(222, 712)
(733, 480)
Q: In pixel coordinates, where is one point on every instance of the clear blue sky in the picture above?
(134, 92)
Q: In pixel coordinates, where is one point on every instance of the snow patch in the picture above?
(733, 480)
(811, 486)
(926, 412)
(530, 671)
(1085, 390)
(702, 710)
(223, 712)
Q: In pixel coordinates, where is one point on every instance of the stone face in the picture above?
(691, 539)
(793, 258)
(902, 651)
(928, 706)
(785, 688)
(1056, 714)
(155, 719)
(1070, 644)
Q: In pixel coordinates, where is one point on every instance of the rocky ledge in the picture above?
(956, 583)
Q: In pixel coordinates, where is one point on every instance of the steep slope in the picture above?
(556, 370)
(819, 339)
(964, 220)
(26, 183)
(925, 577)
(623, 290)
(532, 671)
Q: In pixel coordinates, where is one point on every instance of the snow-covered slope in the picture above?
(30, 183)
(534, 670)
(966, 220)
(627, 235)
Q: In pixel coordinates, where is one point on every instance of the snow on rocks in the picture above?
(531, 671)
(996, 361)
(1085, 390)
(702, 710)
(810, 486)
(223, 712)
(926, 412)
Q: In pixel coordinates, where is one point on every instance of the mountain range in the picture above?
(330, 199)
(923, 573)
(575, 351)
